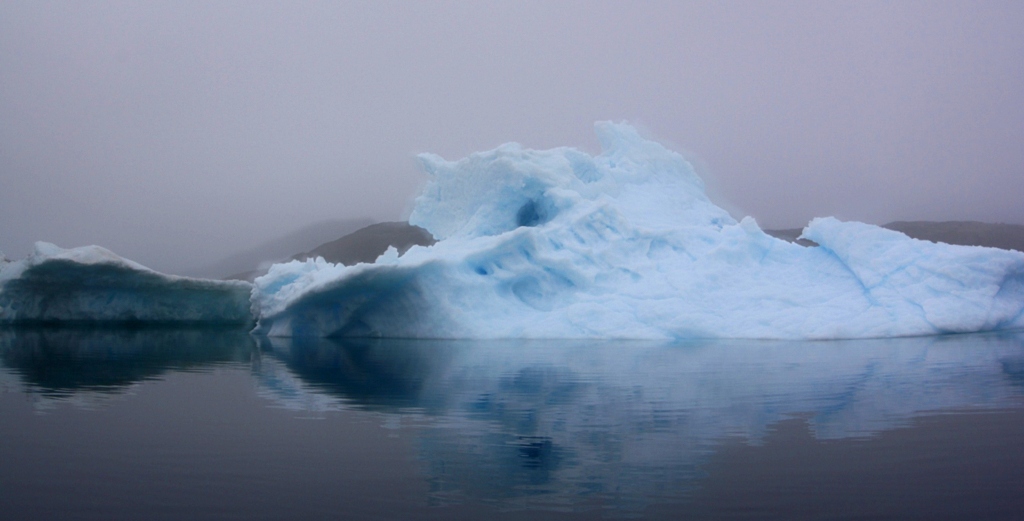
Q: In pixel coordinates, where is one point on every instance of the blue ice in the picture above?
(626, 244)
(91, 284)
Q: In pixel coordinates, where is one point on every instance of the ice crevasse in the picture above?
(626, 244)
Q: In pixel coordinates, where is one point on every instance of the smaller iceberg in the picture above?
(91, 284)
(626, 244)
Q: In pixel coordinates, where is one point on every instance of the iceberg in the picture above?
(91, 284)
(626, 244)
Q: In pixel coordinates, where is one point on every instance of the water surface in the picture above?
(171, 424)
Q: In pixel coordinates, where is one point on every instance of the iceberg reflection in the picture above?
(549, 422)
(88, 366)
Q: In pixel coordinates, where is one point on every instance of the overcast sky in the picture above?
(176, 133)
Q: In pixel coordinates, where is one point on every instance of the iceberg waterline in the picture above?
(561, 244)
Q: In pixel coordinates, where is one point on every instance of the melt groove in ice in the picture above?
(560, 244)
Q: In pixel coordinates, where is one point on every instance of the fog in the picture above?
(177, 133)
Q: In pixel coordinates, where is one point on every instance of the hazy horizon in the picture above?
(178, 133)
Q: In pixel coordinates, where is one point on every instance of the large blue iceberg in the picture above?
(625, 244)
(92, 285)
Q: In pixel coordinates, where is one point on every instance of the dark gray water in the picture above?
(176, 424)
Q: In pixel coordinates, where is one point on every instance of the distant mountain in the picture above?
(367, 244)
(363, 245)
(282, 248)
(966, 233)
(790, 234)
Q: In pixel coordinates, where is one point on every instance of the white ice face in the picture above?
(625, 244)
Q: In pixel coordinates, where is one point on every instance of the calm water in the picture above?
(178, 424)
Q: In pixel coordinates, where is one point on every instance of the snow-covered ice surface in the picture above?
(91, 284)
(561, 244)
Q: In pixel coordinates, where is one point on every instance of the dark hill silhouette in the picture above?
(279, 249)
(366, 244)
(362, 245)
(965, 233)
